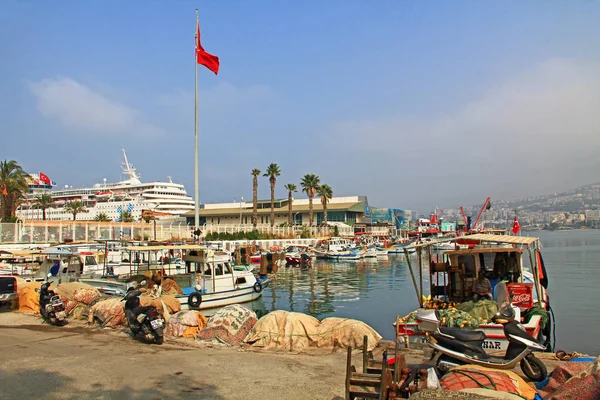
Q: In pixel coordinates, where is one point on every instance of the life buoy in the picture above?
(258, 287)
(194, 300)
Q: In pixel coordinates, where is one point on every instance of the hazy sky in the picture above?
(411, 103)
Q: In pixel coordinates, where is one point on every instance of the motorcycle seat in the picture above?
(464, 335)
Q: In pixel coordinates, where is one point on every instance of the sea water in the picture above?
(377, 290)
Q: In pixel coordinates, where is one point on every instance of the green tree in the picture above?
(272, 173)
(13, 188)
(102, 217)
(126, 216)
(255, 174)
(74, 207)
(310, 184)
(326, 193)
(291, 188)
(44, 201)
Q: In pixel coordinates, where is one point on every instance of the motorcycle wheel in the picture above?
(534, 368)
(158, 336)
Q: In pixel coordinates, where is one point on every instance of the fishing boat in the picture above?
(516, 261)
(208, 280)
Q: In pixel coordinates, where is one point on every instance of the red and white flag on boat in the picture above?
(516, 226)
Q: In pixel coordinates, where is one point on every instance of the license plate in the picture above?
(157, 323)
(61, 315)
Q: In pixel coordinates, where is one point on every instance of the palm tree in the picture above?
(291, 188)
(126, 216)
(255, 174)
(101, 217)
(13, 188)
(75, 207)
(44, 201)
(310, 184)
(273, 172)
(326, 193)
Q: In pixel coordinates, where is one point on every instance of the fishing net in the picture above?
(229, 325)
(185, 324)
(483, 309)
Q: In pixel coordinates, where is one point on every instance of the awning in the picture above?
(502, 238)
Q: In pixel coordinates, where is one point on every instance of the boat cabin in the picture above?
(456, 277)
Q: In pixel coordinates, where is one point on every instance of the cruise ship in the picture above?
(163, 198)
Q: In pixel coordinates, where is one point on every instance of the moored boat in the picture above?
(511, 261)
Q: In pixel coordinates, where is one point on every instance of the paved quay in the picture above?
(75, 362)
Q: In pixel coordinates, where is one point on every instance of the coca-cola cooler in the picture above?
(522, 294)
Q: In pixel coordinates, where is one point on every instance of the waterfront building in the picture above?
(352, 211)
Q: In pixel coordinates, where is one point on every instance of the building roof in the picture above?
(317, 206)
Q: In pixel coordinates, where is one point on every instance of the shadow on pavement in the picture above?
(39, 384)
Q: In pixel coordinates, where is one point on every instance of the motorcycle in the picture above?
(455, 346)
(144, 322)
(52, 308)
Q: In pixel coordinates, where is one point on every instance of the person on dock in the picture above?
(482, 288)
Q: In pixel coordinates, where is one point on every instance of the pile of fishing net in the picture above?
(77, 298)
(577, 379)
(487, 382)
(109, 313)
(451, 317)
(283, 330)
(229, 325)
(483, 309)
(185, 324)
(169, 286)
(166, 305)
(29, 298)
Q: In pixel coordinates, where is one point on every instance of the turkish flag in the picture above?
(44, 178)
(516, 227)
(203, 58)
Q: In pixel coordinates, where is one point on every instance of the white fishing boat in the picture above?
(214, 283)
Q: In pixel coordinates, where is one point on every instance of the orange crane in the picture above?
(486, 206)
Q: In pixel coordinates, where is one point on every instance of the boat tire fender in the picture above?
(194, 300)
(258, 287)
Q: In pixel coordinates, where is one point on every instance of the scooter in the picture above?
(144, 322)
(455, 346)
(52, 307)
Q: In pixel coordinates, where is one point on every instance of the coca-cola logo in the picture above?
(521, 298)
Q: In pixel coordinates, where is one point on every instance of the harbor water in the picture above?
(376, 290)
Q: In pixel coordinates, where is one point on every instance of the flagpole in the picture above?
(196, 190)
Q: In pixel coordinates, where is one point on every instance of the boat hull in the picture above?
(213, 301)
(495, 338)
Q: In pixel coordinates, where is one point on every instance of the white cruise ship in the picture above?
(132, 195)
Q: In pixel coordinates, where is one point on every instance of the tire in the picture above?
(534, 368)
(194, 300)
(258, 287)
(158, 336)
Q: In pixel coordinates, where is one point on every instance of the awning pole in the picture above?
(412, 275)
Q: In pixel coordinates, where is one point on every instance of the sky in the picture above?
(413, 104)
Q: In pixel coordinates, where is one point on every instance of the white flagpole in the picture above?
(196, 190)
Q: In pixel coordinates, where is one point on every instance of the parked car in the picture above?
(8, 290)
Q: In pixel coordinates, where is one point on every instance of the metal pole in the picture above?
(412, 275)
(196, 190)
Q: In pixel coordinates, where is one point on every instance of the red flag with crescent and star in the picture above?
(516, 226)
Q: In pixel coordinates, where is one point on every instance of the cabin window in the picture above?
(218, 269)
(227, 269)
(207, 271)
(240, 280)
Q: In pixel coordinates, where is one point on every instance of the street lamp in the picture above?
(241, 201)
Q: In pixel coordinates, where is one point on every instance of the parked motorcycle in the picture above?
(145, 322)
(52, 307)
(455, 346)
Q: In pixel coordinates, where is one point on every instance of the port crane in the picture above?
(486, 206)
